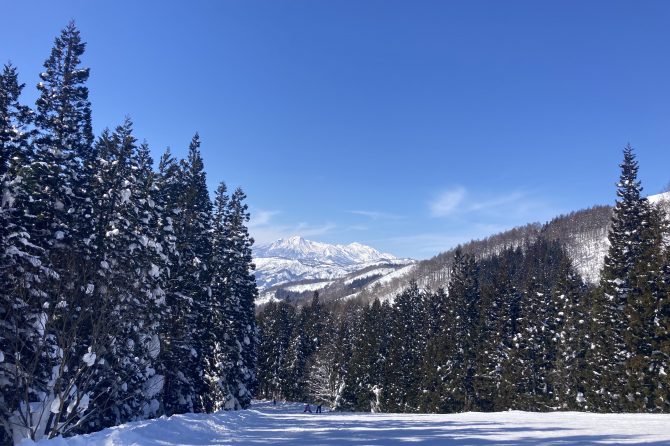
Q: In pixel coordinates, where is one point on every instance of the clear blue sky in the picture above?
(410, 126)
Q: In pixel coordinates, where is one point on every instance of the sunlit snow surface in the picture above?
(285, 424)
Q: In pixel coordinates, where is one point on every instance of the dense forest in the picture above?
(517, 328)
(125, 292)
(128, 293)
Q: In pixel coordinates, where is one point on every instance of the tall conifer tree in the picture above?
(609, 319)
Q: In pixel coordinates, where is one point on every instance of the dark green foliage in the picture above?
(275, 325)
(365, 377)
(518, 329)
(405, 352)
(624, 310)
(121, 296)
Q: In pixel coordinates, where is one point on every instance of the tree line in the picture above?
(125, 293)
(517, 329)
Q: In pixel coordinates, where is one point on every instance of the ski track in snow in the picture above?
(285, 424)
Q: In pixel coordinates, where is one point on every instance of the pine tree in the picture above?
(500, 316)
(342, 349)
(570, 376)
(151, 277)
(366, 366)
(21, 267)
(609, 320)
(538, 327)
(242, 288)
(60, 179)
(64, 148)
(406, 350)
(295, 362)
(174, 334)
(126, 285)
(276, 323)
(661, 339)
(509, 307)
(647, 290)
(189, 297)
(224, 313)
(434, 396)
(464, 298)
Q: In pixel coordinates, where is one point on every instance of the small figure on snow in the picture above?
(308, 408)
(318, 408)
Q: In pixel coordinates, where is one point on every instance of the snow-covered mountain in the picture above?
(582, 233)
(296, 259)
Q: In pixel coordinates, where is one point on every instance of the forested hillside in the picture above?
(125, 292)
(517, 326)
(583, 235)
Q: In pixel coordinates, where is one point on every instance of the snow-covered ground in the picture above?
(285, 424)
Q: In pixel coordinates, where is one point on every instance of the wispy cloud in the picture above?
(261, 217)
(514, 198)
(502, 206)
(377, 215)
(429, 244)
(426, 245)
(447, 202)
(264, 229)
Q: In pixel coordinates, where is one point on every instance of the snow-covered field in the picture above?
(285, 424)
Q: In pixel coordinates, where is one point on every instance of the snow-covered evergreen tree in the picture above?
(661, 343)
(21, 268)
(609, 319)
(499, 319)
(60, 224)
(126, 285)
(275, 326)
(464, 337)
(188, 292)
(225, 353)
(405, 351)
(648, 289)
(570, 373)
(365, 376)
(241, 285)
(105, 297)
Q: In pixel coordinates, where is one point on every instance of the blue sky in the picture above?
(410, 126)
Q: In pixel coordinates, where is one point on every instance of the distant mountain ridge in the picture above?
(297, 259)
(582, 233)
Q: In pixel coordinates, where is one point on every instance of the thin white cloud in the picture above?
(447, 202)
(501, 207)
(377, 215)
(428, 244)
(496, 202)
(261, 217)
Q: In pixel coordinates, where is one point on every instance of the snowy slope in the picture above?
(587, 251)
(295, 259)
(583, 234)
(285, 424)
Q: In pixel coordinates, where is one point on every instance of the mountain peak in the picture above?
(298, 248)
(309, 259)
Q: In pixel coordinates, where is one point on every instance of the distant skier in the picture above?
(274, 401)
(308, 408)
(318, 408)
